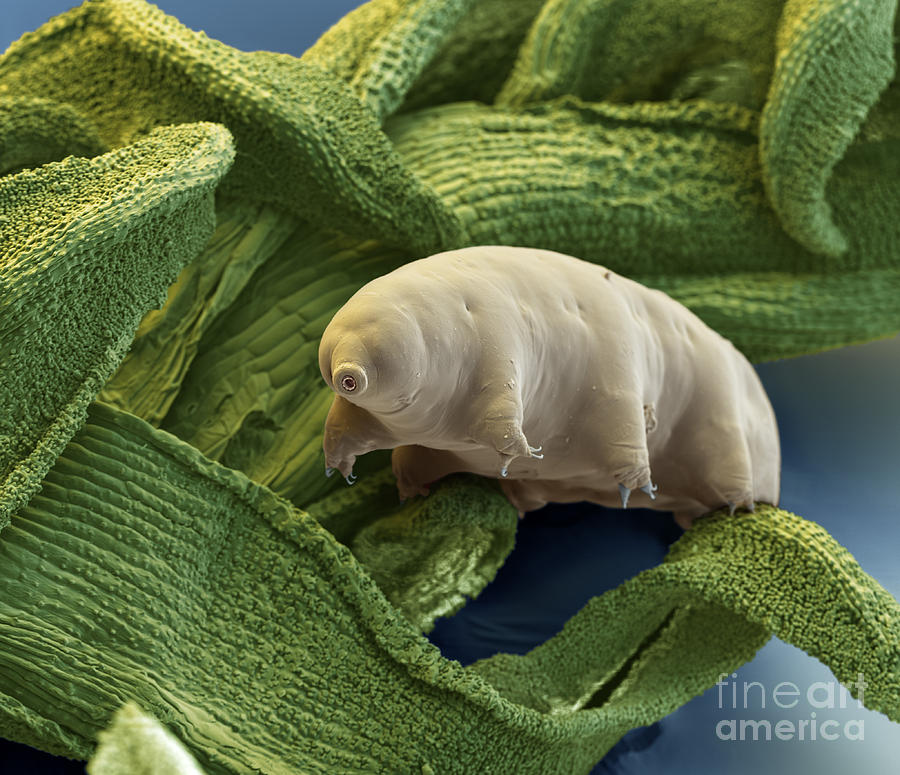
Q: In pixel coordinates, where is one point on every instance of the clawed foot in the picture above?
(506, 437)
(685, 519)
(625, 492)
(506, 459)
(750, 506)
(650, 489)
(349, 478)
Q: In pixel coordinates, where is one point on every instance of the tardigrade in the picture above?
(565, 380)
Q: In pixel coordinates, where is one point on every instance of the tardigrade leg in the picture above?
(715, 461)
(351, 431)
(496, 416)
(618, 424)
(709, 456)
(416, 467)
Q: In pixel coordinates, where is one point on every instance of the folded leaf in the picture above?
(672, 195)
(834, 58)
(254, 398)
(831, 61)
(432, 555)
(35, 131)
(771, 315)
(87, 246)
(370, 46)
(305, 141)
(477, 56)
(629, 50)
(149, 378)
(143, 570)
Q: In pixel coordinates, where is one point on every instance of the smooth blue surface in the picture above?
(840, 426)
(272, 25)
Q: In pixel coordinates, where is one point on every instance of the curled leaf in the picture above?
(630, 50)
(148, 380)
(477, 56)
(88, 246)
(305, 142)
(36, 131)
(188, 568)
(370, 46)
(834, 58)
(254, 398)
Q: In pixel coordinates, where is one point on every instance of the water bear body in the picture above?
(565, 380)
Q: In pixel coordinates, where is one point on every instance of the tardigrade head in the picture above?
(373, 353)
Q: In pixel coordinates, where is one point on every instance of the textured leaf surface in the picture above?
(304, 140)
(476, 58)
(148, 380)
(36, 131)
(834, 58)
(142, 568)
(628, 50)
(87, 246)
(694, 146)
(254, 398)
(433, 554)
(382, 47)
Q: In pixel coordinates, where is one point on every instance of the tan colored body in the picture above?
(470, 360)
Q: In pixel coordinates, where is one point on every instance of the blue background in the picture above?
(839, 420)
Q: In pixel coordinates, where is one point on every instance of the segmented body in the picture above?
(564, 379)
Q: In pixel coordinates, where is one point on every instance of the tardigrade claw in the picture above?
(328, 471)
(350, 478)
(535, 450)
(731, 507)
(624, 492)
(504, 472)
(650, 488)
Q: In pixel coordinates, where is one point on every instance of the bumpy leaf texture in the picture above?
(180, 220)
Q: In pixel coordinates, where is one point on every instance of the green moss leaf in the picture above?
(370, 47)
(833, 60)
(88, 246)
(272, 618)
(143, 570)
(305, 141)
(37, 131)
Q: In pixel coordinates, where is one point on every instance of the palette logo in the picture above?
(820, 697)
